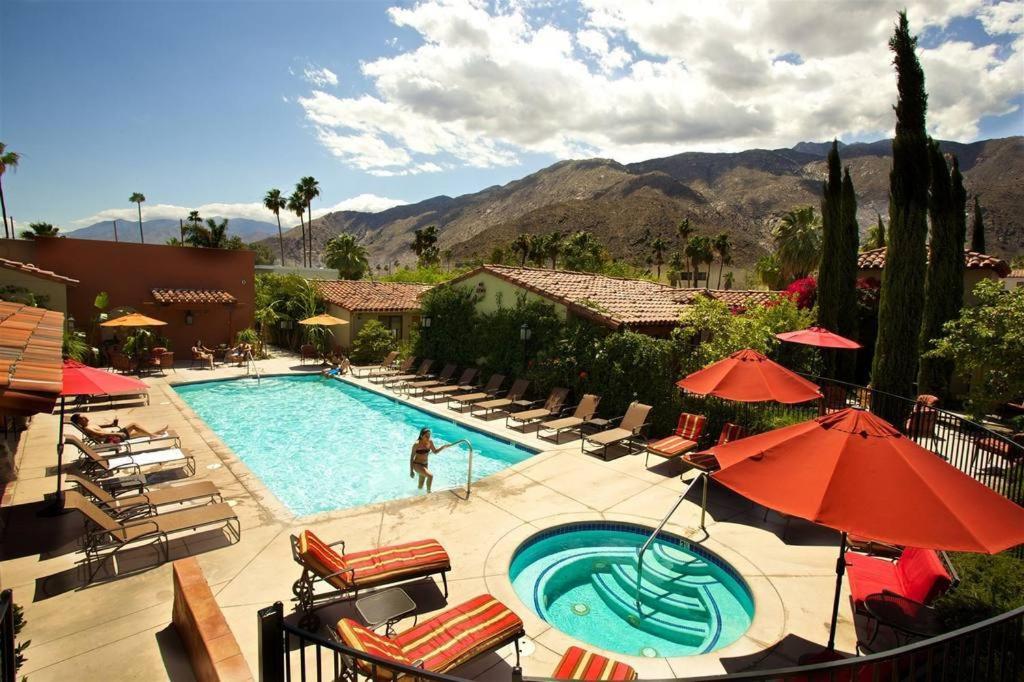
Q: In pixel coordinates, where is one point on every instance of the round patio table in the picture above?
(904, 616)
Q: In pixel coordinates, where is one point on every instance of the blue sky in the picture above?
(208, 104)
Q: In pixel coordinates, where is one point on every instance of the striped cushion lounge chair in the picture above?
(582, 414)
(464, 384)
(683, 440)
(385, 374)
(490, 390)
(630, 427)
(439, 644)
(349, 573)
(518, 390)
(580, 664)
(111, 463)
(705, 461)
(552, 406)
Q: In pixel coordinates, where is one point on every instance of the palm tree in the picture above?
(675, 267)
(310, 189)
(729, 277)
(138, 198)
(723, 249)
(698, 250)
(212, 235)
(553, 247)
(424, 245)
(40, 230)
(523, 245)
(798, 242)
(658, 248)
(7, 160)
(297, 206)
(347, 256)
(447, 256)
(275, 202)
(684, 230)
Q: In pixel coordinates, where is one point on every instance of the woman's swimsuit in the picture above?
(421, 456)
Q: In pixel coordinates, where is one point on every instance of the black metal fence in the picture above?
(8, 658)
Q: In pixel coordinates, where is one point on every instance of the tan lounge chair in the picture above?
(104, 532)
(422, 373)
(130, 444)
(385, 374)
(489, 390)
(372, 370)
(552, 406)
(417, 387)
(114, 463)
(630, 427)
(515, 394)
(145, 503)
(464, 384)
(582, 414)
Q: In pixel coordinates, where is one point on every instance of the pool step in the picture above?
(678, 561)
(670, 580)
(687, 604)
(670, 627)
(572, 568)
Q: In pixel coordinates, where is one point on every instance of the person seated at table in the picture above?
(112, 432)
(239, 354)
(202, 354)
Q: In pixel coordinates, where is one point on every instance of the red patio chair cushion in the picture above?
(671, 446)
(369, 642)
(579, 664)
(731, 432)
(690, 426)
(390, 564)
(917, 574)
(322, 559)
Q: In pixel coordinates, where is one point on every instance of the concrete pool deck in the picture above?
(120, 629)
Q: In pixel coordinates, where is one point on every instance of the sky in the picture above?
(207, 104)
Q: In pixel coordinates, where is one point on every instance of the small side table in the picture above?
(598, 424)
(386, 607)
(522, 404)
(903, 616)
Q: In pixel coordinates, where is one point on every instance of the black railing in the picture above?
(8, 655)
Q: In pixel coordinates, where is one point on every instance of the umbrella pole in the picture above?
(60, 447)
(840, 570)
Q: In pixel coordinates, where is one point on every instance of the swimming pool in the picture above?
(322, 444)
(582, 579)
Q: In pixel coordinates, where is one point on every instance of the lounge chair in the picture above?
(349, 573)
(490, 390)
(130, 444)
(422, 373)
(581, 414)
(442, 379)
(922, 575)
(371, 370)
(439, 644)
(145, 503)
(552, 406)
(104, 532)
(580, 664)
(504, 403)
(114, 463)
(384, 374)
(631, 426)
(464, 384)
(683, 440)
(705, 460)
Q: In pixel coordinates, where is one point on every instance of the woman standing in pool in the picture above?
(419, 457)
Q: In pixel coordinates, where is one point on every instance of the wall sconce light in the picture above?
(425, 321)
(525, 332)
(481, 289)
(71, 323)
(189, 319)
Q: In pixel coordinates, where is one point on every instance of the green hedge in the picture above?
(372, 343)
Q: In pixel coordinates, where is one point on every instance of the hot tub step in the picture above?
(663, 625)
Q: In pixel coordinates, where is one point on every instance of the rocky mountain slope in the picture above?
(158, 231)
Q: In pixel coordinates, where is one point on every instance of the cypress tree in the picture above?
(829, 272)
(944, 287)
(977, 229)
(894, 368)
(879, 234)
(847, 261)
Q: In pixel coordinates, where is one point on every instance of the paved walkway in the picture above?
(120, 628)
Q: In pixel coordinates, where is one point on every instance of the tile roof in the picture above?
(30, 269)
(1017, 273)
(193, 296)
(613, 301)
(371, 296)
(31, 371)
(875, 260)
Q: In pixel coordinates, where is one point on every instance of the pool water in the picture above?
(582, 578)
(323, 444)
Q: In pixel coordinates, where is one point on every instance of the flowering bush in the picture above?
(803, 292)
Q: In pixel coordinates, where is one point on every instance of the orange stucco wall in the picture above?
(129, 272)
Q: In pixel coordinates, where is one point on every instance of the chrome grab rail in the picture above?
(250, 363)
(469, 468)
(643, 549)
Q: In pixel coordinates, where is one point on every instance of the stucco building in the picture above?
(393, 304)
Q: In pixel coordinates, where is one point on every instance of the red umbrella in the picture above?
(747, 376)
(856, 473)
(820, 337)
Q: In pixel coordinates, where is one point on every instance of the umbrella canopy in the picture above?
(820, 337)
(323, 319)
(81, 379)
(749, 377)
(133, 320)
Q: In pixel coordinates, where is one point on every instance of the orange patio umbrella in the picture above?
(133, 320)
(856, 473)
(820, 337)
(323, 319)
(747, 376)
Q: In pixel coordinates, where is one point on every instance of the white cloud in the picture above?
(367, 203)
(654, 77)
(320, 77)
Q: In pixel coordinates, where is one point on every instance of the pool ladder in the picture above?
(469, 468)
(250, 364)
(643, 549)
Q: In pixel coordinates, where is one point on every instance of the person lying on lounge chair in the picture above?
(112, 432)
(419, 456)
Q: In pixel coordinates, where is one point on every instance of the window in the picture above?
(392, 322)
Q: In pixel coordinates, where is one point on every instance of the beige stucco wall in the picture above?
(56, 292)
(971, 277)
(498, 293)
(343, 334)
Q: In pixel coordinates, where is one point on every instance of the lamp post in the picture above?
(524, 335)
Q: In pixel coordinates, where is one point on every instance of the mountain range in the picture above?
(158, 231)
(626, 205)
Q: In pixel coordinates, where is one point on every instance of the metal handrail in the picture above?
(469, 468)
(251, 364)
(643, 549)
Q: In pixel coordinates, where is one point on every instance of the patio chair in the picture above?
(385, 373)
(514, 395)
(170, 436)
(705, 460)
(202, 358)
(490, 390)
(581, 415)
(349, 573)
(464, 384)
(439, 644)
(833, 398)
(113, 463)
(308, 351)
(923, 417)
(167, 362)
(120, 362)
(422, 373)
(370, 370)
(552, 406)
(631, 426)
(442, 379)
(922, 575)
(580, 664)
(682, 440)
(104, 532)
(145, 503)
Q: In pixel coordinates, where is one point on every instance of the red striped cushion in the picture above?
(459, 634)
(731, 432)
(323, 560)
(578, 664)
(671, 446)
(690, 426)
(388, 564)
(367, 641)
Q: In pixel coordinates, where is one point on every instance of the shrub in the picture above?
(453, 317)
(372, 343)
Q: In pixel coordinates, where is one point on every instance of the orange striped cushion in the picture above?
(690, 426)
(731, 432)
(671, 446)
(461, 633)
(323, 560)
(367, 641)
(578, 664)
(388, 564)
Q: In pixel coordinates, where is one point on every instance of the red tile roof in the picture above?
(31, 371)
(613, 301)
(875, 260)
(30, 269)
(371, 296)
(1017, 273)
(194, 296)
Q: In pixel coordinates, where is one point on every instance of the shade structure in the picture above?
(747, 376)
(133, 320)
(820, 337)
(323, 320)
(856, 473)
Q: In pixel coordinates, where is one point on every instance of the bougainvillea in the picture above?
(803, 292)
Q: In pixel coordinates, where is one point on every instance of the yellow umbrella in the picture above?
(133, 320)
(324, 320)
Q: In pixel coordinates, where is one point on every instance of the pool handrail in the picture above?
(469, 468)
(647, 543)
